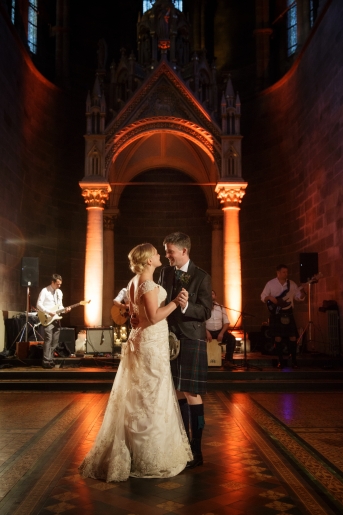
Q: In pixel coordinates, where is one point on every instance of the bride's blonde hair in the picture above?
(139, 256)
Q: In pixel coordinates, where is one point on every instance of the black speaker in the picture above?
(29, 271)
(99, 339)
(308, 266)
(67, 336)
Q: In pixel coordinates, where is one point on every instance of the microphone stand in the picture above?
(243, 315)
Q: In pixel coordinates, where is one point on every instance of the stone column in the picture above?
(230, 195)
(95, 194)
(109, 293)
(215, 217)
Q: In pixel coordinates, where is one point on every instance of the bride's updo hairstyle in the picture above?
(139, 256)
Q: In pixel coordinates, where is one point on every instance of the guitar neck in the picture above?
(71, 307)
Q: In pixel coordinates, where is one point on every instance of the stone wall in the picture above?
(41, 161)
(149, 213)
(292, 159)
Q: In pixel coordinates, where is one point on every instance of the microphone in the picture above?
(102, 338)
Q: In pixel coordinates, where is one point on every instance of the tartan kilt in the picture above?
(276, 328)
(189, 369)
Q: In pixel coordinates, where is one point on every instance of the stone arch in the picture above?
(181, 137)
(162, 148)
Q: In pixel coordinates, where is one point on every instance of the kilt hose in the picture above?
(284, 331)
(189, 369)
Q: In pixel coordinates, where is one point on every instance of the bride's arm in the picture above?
(153, 313)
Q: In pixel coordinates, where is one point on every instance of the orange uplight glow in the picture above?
(94, 267)
(232, 263)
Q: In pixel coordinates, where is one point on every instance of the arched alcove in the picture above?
(149, 212)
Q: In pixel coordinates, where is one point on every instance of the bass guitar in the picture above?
(274, 309)
(46, 319)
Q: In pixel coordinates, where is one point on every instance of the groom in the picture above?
(189, 369)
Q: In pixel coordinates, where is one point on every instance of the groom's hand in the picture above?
(183, 298)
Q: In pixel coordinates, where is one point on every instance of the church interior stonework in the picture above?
(122, 122)
(235, 132)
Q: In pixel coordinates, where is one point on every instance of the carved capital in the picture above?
(230, 194)
(110, 217)
(95, 197)
(95, 192)
(215, 218)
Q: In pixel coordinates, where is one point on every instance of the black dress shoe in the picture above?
(196, 461)
(47, 365)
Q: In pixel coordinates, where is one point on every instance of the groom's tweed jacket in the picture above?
(192, 323)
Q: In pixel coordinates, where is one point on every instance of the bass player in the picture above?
(279, 295)
(49, 300)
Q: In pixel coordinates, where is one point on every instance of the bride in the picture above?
(142, 434)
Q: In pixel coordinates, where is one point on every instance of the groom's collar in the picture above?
(184, 268)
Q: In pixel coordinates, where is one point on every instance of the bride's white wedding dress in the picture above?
(142, 434)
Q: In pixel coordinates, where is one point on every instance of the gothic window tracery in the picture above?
(13, 11)
(95, 160)
(232, 162)
(292, 27)
(32, 25)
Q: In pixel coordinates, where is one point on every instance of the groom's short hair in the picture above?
(179, 239)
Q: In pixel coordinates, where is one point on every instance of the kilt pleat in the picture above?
(189, 369)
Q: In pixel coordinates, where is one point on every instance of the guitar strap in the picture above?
(279, 308)
(285, 291)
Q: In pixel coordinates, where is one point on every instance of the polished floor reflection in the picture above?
(265, 453)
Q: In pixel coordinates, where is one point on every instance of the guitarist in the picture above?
(279, 294)
(49, 300)
(122, 300)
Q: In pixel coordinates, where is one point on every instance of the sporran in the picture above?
(174, 346)
(285, 320)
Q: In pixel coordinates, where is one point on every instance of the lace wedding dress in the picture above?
(142, 434)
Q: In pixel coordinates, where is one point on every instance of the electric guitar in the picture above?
(46, 319)
(274, 309)
(119, 315)
(281, 303)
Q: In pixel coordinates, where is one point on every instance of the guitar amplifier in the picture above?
(99, 339)
(67, 336)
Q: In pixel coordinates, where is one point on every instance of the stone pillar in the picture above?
(95, 194)
(109, 293)
(230, 195)
(215, 217)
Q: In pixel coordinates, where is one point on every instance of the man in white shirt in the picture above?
(49, 301)
(217, 328)
(279, 295)
(122, 299)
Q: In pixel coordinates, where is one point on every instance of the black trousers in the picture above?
(229, 340)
